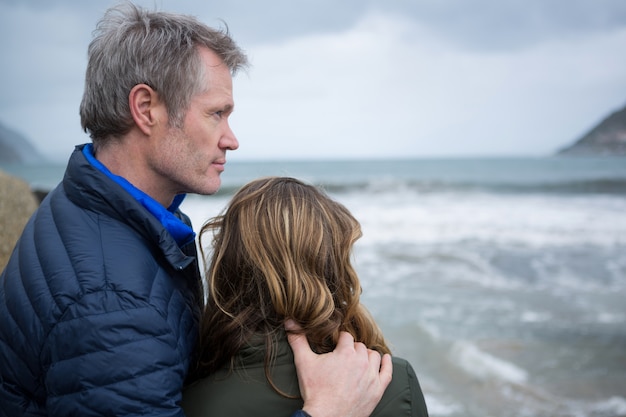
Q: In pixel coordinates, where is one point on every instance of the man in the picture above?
(99, 303)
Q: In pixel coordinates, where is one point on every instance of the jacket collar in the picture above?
(95, 188)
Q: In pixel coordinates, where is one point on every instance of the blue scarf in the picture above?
(182, 233)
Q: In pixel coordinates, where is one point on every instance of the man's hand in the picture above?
(347, 382)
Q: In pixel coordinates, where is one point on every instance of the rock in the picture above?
(606, 139)
(17, 204)
(16, 148)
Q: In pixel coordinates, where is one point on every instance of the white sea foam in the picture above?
(610, 318)
(440, 407)
(535, 317)
(532, 220)
(614, 406)
(469, 266)
(484, 366)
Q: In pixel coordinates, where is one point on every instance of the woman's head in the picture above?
(284, 246)
(282, 250)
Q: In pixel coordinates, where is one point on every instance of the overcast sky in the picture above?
(355, 78)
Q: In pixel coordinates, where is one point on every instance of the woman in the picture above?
(281, 250)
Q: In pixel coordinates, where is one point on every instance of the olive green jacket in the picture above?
(245, 391)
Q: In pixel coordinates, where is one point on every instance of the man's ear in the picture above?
(145, 107)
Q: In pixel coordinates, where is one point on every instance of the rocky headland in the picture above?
(16, 148)
(608, 138)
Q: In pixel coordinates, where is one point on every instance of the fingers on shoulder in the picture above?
(386, 370)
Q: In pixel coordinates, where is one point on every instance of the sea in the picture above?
(501, 280)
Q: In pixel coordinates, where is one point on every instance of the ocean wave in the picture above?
(611, 186)
(585, 186)
(484, 366)
(614, 406)
(441, 407)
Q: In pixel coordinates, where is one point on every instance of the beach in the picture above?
(502, 281)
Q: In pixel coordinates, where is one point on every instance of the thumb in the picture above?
(298, 341)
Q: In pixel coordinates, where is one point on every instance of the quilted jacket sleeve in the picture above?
(114, 355)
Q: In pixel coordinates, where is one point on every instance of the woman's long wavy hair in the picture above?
(281, 249)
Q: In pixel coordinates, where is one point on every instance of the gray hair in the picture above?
(134, 46)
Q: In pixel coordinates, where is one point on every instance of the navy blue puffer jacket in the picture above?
(99, 306)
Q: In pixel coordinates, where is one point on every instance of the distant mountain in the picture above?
(607, 138)
(16, 148)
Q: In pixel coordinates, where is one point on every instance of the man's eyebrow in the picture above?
(225, 108)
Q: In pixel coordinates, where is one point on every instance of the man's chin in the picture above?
(211, 188)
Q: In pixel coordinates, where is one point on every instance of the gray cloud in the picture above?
(502, 25)
(427, 72)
